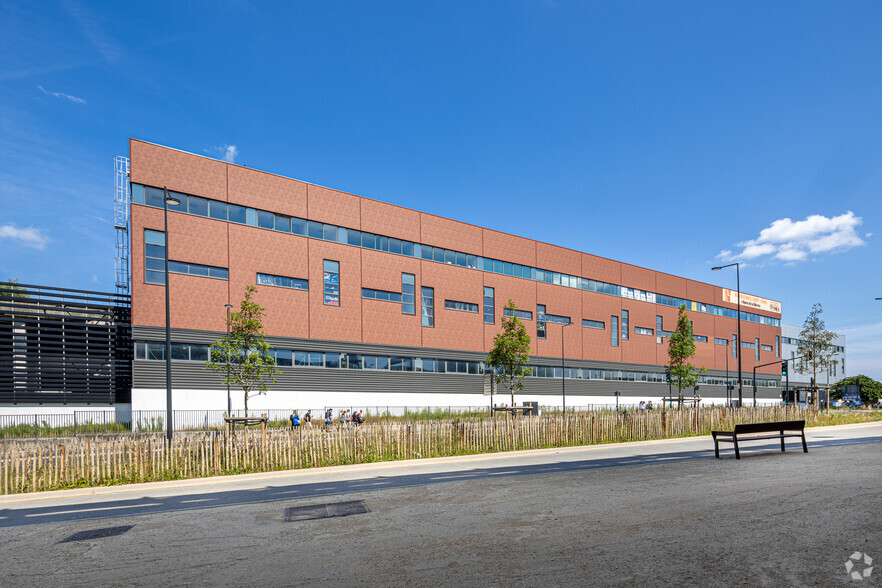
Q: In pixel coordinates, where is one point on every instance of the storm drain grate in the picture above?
(323, 511)
(97, 533)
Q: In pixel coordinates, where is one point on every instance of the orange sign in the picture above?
(750, 301)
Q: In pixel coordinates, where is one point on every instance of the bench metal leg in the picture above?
(737, 454)
(804, 446)
(716, 449)
(782, 442)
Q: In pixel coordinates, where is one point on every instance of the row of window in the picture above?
(155, 350)
(251, 216)
(154, 262)
(794, 341)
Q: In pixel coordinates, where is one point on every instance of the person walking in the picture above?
(328, 418)
(295, 420)
(307, 419)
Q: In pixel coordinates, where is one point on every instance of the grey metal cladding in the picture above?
(192, 375)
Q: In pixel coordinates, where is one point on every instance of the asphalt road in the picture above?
(662, 513)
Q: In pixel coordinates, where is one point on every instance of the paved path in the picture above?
(658, 513)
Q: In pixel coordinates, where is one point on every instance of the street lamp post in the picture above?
(229, 402)
(563, 368)
(728, 387)
(168, 379)
(738, 347)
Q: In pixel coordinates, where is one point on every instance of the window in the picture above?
(540, 321)
(734, 346)
(595, 324)
(154, 257)
(428, 306)
(489, 306)
(332, 282)
(282, 281)
(720, 341)
(195, 269)
(463, 306)
(556, 318)
(380, 295)
(643, 331)
(521, 314)
(614, 331)
(699, 338)
(408, 299)
(659, 329)
(777, 346)
(625, 325)
(766, 347)
(756, 346)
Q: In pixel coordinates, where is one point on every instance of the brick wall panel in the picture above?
(639, 278)
(509, 248)
(521, 292)
(333, 207)
(595, 342)
(454, 329)
(257, 189)
(565, 302)
(450, 234)
(389, 220)
(341, 323)
(600, 268)
(254, 250)
(558, 259)
(195, 239)
(158, 166)
(671, 285)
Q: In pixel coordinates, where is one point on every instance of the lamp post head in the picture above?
(228, 306)
(172, 201)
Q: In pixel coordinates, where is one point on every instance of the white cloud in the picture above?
(230, 152)
(225, 152)
(61, 95)
(95, 278)
(791, 241)
(29, 236)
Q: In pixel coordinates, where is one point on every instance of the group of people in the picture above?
(346, 418)
(645, 405)
(296, 420)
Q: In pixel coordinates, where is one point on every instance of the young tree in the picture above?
(510, 353)
(681, 348)
(816, 348)
(243, 357)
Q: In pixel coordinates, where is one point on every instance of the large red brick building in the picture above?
(369, 303)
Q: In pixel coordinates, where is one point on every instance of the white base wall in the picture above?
(65, 409)
(155, 399)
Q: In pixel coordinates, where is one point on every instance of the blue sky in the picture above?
(671, 135)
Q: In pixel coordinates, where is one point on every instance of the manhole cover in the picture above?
(323, 511)
(98, 533)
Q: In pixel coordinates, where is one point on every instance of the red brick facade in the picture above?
(198, 302)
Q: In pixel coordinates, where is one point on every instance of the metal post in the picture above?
(563, 368)
(168, 377)
(738, 351)
(229, 402)
(728, 389)
(754, 386)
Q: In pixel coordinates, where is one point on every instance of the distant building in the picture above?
(790, 349)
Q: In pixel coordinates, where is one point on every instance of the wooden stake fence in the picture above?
(45, 464)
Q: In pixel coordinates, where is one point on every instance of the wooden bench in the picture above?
(760, 432)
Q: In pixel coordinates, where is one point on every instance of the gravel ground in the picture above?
(769, 519)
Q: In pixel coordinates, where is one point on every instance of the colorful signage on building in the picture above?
(749, 301)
